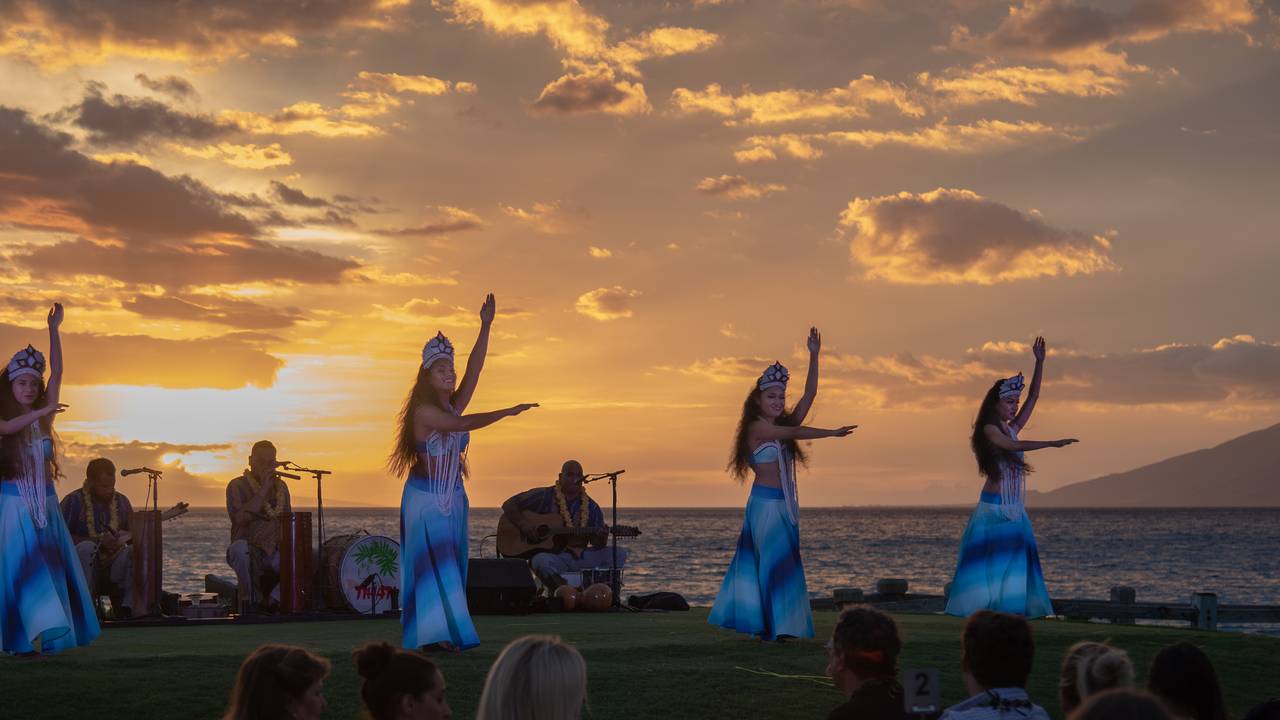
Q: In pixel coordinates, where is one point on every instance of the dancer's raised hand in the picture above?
(1037, 349)
(52, 409)
(517, 409)
(1064, 442)
(488, 309)
(844, 431)
(55, 316)
(815, 340)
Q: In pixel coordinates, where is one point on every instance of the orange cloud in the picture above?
(304, 118)
(659, 43)
(445, 220)
(248, 156)
(603, 304)
(737, 187)
(1020, 84)
(977, 137)
(951, 236)
(779, 106)
(547, 218)
(569, 26)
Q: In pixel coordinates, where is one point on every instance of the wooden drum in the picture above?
(148, 562)
(295, 561)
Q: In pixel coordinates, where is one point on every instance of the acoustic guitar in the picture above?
(553, 534)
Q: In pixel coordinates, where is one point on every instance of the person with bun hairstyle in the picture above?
(1089, 668)
(863, 662)
(536, 677)
(279, 681)
(400, 685)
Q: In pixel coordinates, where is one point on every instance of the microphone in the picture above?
(135, 471)
(291, 476)
(282, 463)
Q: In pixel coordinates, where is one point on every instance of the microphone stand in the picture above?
(615, 582)
(324, 576)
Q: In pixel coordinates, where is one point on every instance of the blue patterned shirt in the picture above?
(72, 507)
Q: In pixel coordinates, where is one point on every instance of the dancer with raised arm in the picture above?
(431, 449)
(764, 592)
(999, 565)
(44, 599)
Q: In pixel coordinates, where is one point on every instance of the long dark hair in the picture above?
(271, 679)
(404, 455)
(11, 445)
(1182, 675)
(389, 674)
(985, 452)
(740, 456)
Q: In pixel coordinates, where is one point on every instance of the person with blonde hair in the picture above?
(279, 681)
(536, 677)
(1089, 668)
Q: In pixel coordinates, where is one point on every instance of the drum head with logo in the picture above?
(373, 562)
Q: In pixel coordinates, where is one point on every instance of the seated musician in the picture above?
(568, 498)
(98, 518)
(254, 503)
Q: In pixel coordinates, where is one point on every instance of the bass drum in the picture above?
(360, 568)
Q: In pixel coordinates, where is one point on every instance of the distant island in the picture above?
(1240, 472)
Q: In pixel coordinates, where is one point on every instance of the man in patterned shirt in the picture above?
(254, 502)
(100, 530)
(996, 663)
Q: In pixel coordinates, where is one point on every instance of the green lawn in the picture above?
(641, 665)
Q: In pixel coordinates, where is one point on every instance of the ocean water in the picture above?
(1164, 554)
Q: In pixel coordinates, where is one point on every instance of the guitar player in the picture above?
(576, 509)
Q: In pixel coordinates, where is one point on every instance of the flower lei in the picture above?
(583, 510)
(113, 517)
(271, 509)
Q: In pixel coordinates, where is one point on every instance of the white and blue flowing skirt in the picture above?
(764, 591)
(43, 594)
(433, 567)
(999, 565)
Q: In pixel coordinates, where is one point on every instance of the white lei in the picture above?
(443, 471)
(34, 474)
(1013, 487)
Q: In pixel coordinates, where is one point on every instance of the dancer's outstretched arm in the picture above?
(20, 423)
(1033, 394)
(810, 380)
(54, 389)
(437, 419)
(1004, 442)
(765, 432)
(475, 362)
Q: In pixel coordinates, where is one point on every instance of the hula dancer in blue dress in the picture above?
(431, 449)
(44, 600)
(764, 592)
(999, 566)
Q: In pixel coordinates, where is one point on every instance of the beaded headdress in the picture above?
(26, 362)
(1011, 387)
(774, 376)
(436, 348)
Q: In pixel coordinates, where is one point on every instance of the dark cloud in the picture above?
(1079, 34)
(233, 312)
(135, 224)
(294, 196)
(596, 90)
(171, 85)
(223, 362)
(90, 30)
(958, 236)
(122, 120)
(179, 483)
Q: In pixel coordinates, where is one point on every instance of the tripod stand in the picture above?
(318, 474)
(615, 580)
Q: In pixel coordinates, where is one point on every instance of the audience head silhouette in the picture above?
(279, 681)
(536, 677)
(400, 685)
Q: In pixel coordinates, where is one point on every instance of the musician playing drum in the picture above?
(98, 518)
(254, 503)
(576, 509)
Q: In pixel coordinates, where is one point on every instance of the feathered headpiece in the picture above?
(1011, 387)
(436, 348)
(774, 376)
(26, 362)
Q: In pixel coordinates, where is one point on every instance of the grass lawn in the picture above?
(640, 665)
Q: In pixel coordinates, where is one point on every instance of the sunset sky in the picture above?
(256, 213)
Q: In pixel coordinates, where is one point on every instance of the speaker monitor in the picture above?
(499, 586)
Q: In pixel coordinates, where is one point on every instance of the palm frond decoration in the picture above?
(380, 554)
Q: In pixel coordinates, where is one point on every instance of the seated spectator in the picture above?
(1121, 704)
(996, 660)
(863, 662)
(536, 677)
(1089, 668)
(279, 681)
(400, 685)
(1269, 710)
(1182, 676)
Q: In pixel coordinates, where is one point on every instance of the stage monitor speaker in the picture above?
(499, 586)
